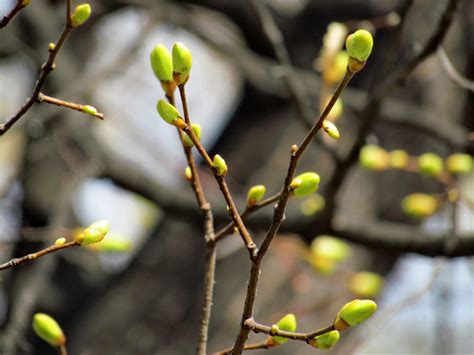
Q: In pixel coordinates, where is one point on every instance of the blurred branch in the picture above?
(20, 5)
(452, 72)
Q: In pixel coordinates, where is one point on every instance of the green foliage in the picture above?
(48, 329)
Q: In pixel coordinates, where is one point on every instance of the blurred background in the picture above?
(260, 75)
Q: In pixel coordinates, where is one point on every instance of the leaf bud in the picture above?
(305, 184)
(419, 205)
(459, 163)
(325, 341)
(255, 194)
(182, 63)
(287, 323)
(353, 313)
(94, 233)
(331, 129)
(220, 165)
(187, 141)
(48, 329)
(80, 15)
(430, 164)
(359, 45)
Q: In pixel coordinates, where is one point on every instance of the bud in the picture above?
(188, 174)
(325, 341)
(459, 163)
(331, 129)
(366, 284)
(161, 63)
(255, 194)
(169, 113)
(94, 233)
(80, 15)
(114, 243)
(182, 63)
(330, 248)
(60, 241)
(287, 323)
(353, 313)
(373, 157)
(187, 141)
(419, 205)
(51, 47)
(305, 184)
(359, 45)
(48, 329)
(312, 205)
(399, 159)
(220, 165)
(90, 110)
(430, 164)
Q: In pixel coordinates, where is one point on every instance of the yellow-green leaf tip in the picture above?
(90, 110)
(182, 63)
(167, 112)
(430, 164)
(197, 132)
(255, 194)
(459, 163)
(359, 45)
(419, 205)
(331, 129)
(355, 312)
(161, 63)
(327, 340)
(305, 184)
(220, 165)
(188, 174)
(287, 323)
(48, 329)
(94, 233)
(80, 14)
(366, 284)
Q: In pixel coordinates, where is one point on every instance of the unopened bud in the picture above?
(287, 323)
(399, 159)
(182, 63)
(187, 141)
(325, 341)
(168, 112)
(305, 184)
(459, 163)
(161, 63)
(331, 129)
(80, 14)
(94, 233)
(114, 243)
(359, 45)
(48, 329)
(430, 164)
(353, 313)
(90, 110)
(220, 165)
(327, 247)
(60, 241)
(373, 157)
(255, 194)
(419, 205)
(188, 174)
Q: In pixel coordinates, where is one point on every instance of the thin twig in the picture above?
(452, 72)
(20, 5)
(278, 216)
(62, 350)
(33, 256)
(233, 212)
(256, 346)
(71, 105)
(45, 70)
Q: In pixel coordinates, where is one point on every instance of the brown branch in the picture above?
(62, 350)
(71, 105)
(452, 72)
(46, 68)
(33, 256)
(20, 5)
(233, 212)
(256, 346)
(278, 216)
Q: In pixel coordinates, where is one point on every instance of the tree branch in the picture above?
(20, 5)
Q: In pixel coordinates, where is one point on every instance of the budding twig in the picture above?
(38, 254)
(20, 5)
(71, 105)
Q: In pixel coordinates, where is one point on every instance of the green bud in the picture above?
(312, 205)
(51, 47)
(168, 112)
(373, 157)
(353, 313)
(287, 323)
(305, 184)
(197, 132)
(430, 164)
(399, 159)
(161, 63)
(60, 241)
(182, 63)
(366, 284)
(325, 341)
(48, 329)
(459, 163)
(220, 165)
(255, 194)
(90, 110)
(188, 174)
(331, 129)
(419, 205)
(359, 45)
(330, 248)
(94, 233)
(80, 15)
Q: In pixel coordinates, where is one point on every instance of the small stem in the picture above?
(38, 254)
(8, 17)
(256, 346)
(71, 105)
(62, 350)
